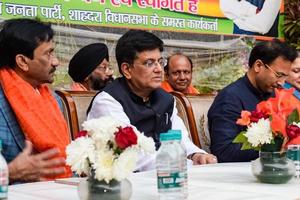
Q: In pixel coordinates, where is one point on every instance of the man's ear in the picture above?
(22, 62)
(126, 69)
(258, 65)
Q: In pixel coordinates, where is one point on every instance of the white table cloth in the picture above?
(214, 182)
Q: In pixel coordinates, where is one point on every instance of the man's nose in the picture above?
(109, 72)
(281, 82)
(181, 75)
(158, 68)
(55, 61)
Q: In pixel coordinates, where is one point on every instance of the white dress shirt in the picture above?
(105, 105)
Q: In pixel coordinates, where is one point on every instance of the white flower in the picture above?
(259, 133)
(101, 130)
(146, 143)
(80, 153)
(103, 126)
(125, 164)
(104, 165)
(99, 151)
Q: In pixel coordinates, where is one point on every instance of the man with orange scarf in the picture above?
(178, 74)
(32, 128)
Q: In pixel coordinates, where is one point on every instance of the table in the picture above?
(232, 181)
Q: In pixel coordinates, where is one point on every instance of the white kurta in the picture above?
(105, 105)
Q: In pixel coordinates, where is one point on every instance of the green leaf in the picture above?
(293, 30)
(246, 146)
(117, 151)
(256, 148)
(274, 146)
(289, 27)
(240, 138)
(293, 117)
(272, 141)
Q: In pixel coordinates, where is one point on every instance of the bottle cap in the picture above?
(177, 133)
(170, 135)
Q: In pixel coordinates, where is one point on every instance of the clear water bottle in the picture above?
(171, 167)
(184, 162)
(3, 176)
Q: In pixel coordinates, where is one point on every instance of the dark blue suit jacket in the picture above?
(222, 116)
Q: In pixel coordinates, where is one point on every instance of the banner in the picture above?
(257, 17)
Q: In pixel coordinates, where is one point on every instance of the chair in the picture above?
(185, 112)
(75, 105)
(200, 105)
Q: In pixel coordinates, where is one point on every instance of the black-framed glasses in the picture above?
(153, 63)
(105, 69)
(279, 75)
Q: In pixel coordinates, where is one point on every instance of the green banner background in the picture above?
(96, 14)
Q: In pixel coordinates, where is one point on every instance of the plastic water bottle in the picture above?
(184, 162)
(171, 167)
(3, 176)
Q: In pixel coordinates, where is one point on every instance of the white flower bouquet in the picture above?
(107, 147)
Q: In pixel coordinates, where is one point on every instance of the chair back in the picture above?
(75, 105)
(185, 112)
(200, 106)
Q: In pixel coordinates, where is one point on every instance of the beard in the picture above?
(99, 84)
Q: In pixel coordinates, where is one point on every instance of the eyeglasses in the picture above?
(105, 69)
(279, 75)
(179, 72)
(153, 63)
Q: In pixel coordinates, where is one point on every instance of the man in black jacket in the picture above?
(269, 63)
(137, 99)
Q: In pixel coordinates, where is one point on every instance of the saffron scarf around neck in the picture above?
(37, 112)
(168, 88)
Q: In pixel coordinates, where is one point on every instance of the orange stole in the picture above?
(38, 114)
(78, 87)
(167, 87)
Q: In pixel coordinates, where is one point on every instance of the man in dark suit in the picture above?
(269, 66)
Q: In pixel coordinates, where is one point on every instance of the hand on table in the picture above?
(28, 167)
(203, 158)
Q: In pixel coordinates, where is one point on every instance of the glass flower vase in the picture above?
(93, 189)
(273, 167)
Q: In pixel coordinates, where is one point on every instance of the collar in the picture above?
(287, 85)
(133, 96)
(261, 95)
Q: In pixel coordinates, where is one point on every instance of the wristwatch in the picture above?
(191, 156)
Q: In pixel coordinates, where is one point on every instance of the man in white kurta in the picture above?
(137, 99)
